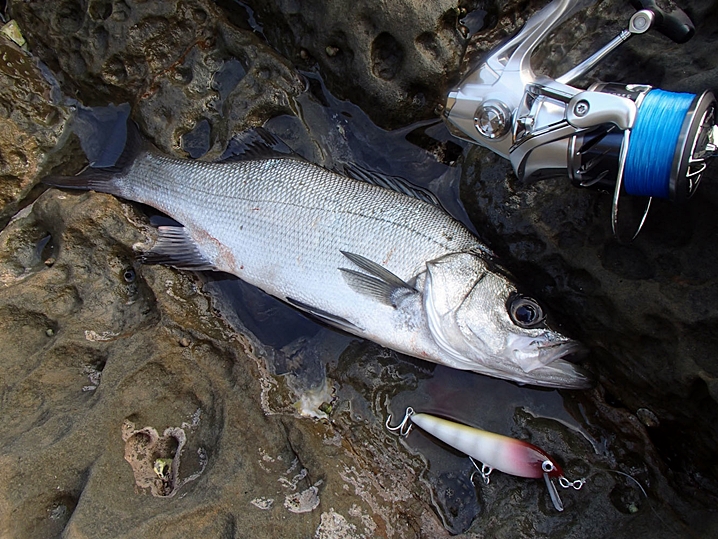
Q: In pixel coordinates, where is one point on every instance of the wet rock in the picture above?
(163, 417)
(642, 317)
(394, 61)
(155, 458)
(31, 120)
(180, 64)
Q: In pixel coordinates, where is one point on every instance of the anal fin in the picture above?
(175, 247)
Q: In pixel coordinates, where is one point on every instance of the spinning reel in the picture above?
(627, 138)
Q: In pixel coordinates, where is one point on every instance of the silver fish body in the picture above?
(375, 262)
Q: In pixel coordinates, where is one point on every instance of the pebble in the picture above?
(648, 418)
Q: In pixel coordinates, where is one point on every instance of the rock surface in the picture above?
(391, 58)
(101, 354)
(31, 122)
(134, 403)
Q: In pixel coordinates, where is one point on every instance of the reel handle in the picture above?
(671, 20)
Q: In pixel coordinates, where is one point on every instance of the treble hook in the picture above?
(403, 428)
(484, 471)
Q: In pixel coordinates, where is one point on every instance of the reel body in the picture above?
(625, 138)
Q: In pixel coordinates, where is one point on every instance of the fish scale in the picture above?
(371, 260)
(276, 212)
(286, 223)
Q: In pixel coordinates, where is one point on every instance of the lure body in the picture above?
(509, 455)
(493, 451)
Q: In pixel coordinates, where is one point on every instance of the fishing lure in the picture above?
(493, 451)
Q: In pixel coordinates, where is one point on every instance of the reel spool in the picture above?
(663, 155)
(629, 139)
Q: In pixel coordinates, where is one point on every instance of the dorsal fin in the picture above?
(394, 183)
(256, 143)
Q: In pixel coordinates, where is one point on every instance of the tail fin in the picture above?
(102, 179)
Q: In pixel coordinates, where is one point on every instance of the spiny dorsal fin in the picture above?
(393, 183)
(256, 143)
(175, 247)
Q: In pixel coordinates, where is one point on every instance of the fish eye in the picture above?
(547, 466)
(525, 312)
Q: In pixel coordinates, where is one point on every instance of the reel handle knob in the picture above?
(671, 20)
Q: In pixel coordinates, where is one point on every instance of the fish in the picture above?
(494, 451)
(368, 254)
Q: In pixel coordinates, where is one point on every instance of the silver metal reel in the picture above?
(547, 127)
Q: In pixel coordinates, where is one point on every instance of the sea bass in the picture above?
(373, 261)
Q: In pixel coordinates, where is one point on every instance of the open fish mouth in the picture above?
(549, 361)
(559, 368)
(567, 350)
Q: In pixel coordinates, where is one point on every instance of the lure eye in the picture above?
(547, 466)
(526, 312)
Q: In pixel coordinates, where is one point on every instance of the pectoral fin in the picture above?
(381, 284)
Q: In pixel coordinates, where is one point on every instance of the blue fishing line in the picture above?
(653, 143)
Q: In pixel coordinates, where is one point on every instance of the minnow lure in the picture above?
(493, 451)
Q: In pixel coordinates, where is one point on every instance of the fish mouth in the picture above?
(550, 362)
(563, 374)
(559, 367)
(567, 350)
